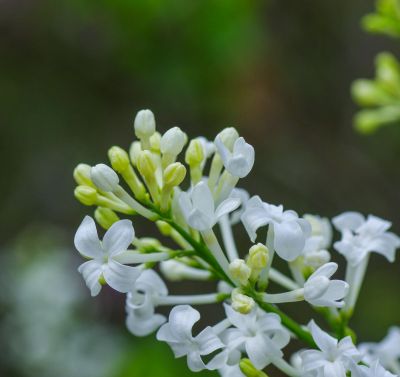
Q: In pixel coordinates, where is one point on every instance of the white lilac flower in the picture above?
(141, 301)
(259, 334)
(387, 351)
(362, 236)
(198, 207)
(240, 160)
(244, 196)
(102, 254)
(177, 332)
(333, 357)
(319, 290)
(375, 369)
(287, 232)
(173, 141)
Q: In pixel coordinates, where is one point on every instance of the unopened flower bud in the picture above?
(316, 258)
(145, 124)
(146, 164)
(155, 140)
(105, 217)
(104, 177)
(369, 93)
(249, 370)
(242, 303)
(228, 136)
(388, 71)
(82, 175)
(119, 159)
(164, 228)
(194, 153)
(134, 152)
(173, 141)
(258, 257)
(86, 195)
(240, 271)
(147, 244)
(174, 174)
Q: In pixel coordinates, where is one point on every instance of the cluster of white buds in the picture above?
(148, 181)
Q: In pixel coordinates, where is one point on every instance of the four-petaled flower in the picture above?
(287, 232)
(259, 334)
(319, 290)
(177, 332)
(333, 357)
(102, 254)
(198, 207)
(362, 236)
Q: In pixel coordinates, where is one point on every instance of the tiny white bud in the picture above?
(104, 177)
(119, 159)
(174, 174)
(194, 153)
(86, 195)
(173, 141)
(258, 256)
(316, 258)
(105, 217)
(82, 175)
(240, 271)
(228, 136)
(145, 124)
(242, 303)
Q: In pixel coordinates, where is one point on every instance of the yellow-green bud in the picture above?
(146, 164)
(388, 71)
(174, 174)
(145, 124)
(105, 217)
(249, 370)
(119, 159)
(82, 175)
(240, 271)
(86, 195)
(241, 303)
(258, 257)
(164, 228)
(228, 136)
(194, 153)
(368, 93)
(155, 142)
(104, 177)
(134, 152)
(147, 244)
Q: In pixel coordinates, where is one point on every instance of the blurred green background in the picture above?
(73, 73)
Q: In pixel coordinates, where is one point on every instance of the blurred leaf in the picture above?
(386, 19)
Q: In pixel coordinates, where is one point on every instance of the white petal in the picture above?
(243, 159)
(195, 363)
(91, 272)
(254, 216)
(260, 352)
(202, 199)
(385, 245)
(324, 341)
(143, 326)
(222, 150)
(208, 342)
(348, 220)
(227, 206)
(200, 221)
(185, 204)
(289, 240)
(118, 238)
(86, 239)
(181, 320)
(121, 277)
(327, 270)
(150, 280)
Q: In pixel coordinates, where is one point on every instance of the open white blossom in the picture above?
(240, 160)
(287, 230)
(387, 351)
(333, 357)
(259, 334)
(102, 254)
(362, 236)
(199, 209)
(141, 301)
(177, 332)
(319, 290)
